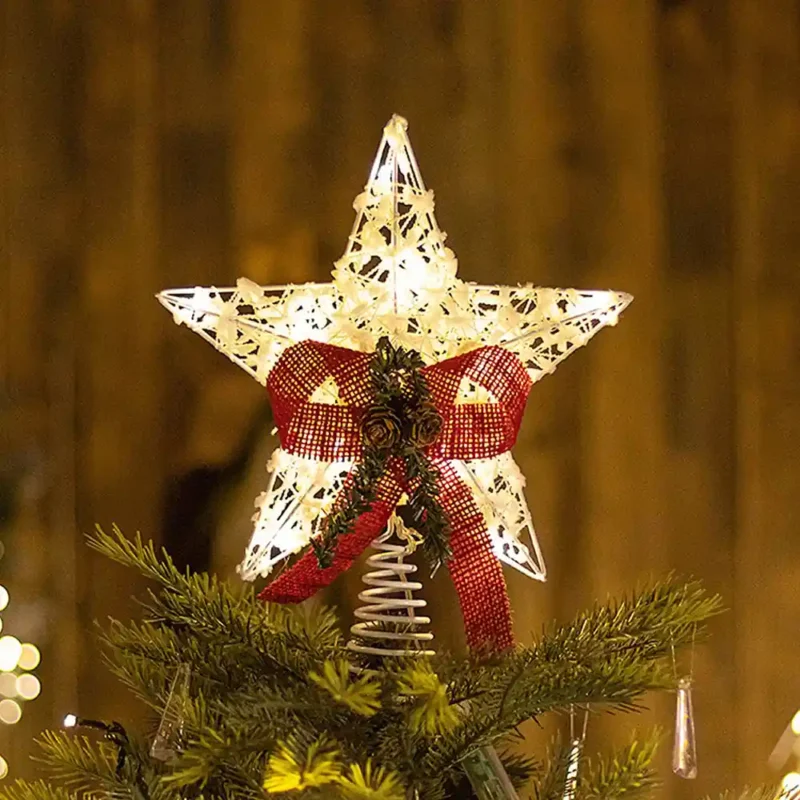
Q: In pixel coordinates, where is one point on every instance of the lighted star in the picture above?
(397, 278)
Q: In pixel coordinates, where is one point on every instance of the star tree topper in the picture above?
(396, 279)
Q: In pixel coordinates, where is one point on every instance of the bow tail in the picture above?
(476, 572)
(306, 577)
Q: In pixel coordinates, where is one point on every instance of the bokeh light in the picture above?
(3, 767)
(8, 684)
(4, 598)
(10, 712)
(791, 781)
(30, 657)
(28, 686)
(10, 651)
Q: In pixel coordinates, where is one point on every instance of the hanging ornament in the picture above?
(459, 359)
(684, 754)
(168, 740)
(574, 755)
(488, 776)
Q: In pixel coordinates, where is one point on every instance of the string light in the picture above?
(115, 733)
(10, 711)
(10, 651)
(396, 279)
(29, 657)
(14, 654)
(28, 686)
(8, 684)
(790, 782)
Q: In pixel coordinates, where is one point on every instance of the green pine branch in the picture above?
(36, 790)
(268, 680)
(287, 640)
(90, 768)
(627, 773)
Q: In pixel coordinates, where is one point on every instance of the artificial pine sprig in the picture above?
(295, 766)
(360, 694)
(401, 423)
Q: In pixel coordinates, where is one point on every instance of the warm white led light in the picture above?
(3, 768)
(28, 686)
(791, 781)
(70, 721)
(4, 598)
(10, 711)
(8, 684)
(29, 657)
(10, 651)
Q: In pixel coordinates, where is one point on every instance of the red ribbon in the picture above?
(328, 432)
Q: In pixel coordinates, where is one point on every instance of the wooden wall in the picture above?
(647, 146)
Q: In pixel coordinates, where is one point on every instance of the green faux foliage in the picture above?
(401, 423)
(277, 706)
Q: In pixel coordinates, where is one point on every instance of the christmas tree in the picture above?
(397, 391)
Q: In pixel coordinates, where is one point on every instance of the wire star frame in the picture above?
(397, 278)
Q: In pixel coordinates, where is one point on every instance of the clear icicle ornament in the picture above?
(488, 776)
(573, 762)
(684, 753)
(169, 737)
(574, 756)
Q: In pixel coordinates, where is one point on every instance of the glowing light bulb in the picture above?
(8, 684)
(4, 598)
(30, 657)
(10, 712)
(28, 686)
(790, 783)
(70, 721)
(10, 651)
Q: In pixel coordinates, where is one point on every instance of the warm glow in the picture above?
(70, 721)
(28, 686)
(8, 684)
(3, 768)
(396, 278)
(10, 651)
(3, 597)
(791, 781)
(30, 657)
(10, 712)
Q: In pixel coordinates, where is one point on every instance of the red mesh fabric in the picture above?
(320, 430)
(469, 431)
(478, 430)
(332, 432)
(306, 577)
(477, 575)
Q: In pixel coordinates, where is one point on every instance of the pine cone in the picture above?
(381, 428)
(426, 425)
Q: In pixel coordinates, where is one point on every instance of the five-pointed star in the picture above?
(397, 279)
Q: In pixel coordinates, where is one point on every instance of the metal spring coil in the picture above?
(388, 622)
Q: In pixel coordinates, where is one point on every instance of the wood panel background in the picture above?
(648, 146)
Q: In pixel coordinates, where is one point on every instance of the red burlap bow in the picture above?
(327, 432)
